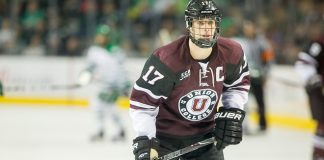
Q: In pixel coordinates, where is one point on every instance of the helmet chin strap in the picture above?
(204, 43)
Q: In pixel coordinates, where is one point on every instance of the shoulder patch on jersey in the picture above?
(197, 104)
(185, 74)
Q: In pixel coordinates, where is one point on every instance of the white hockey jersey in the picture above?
(107, 68)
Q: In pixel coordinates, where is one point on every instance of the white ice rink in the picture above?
(31, 132)
(62, 133)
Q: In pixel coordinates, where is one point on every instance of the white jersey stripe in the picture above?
(238, 80)
(148, 92)
(318, 142)
(306, 57)
(247, 87)
(305, 71)
(234, 99)
(141, 105)
(144, 121)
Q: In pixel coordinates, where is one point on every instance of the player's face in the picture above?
(249, 29)
(101, 39)
(203, 28)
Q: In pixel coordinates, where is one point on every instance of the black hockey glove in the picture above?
(228, 128)
(145, 148)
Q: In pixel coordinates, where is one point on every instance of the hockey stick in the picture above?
(40, 88)
(69, 86)
(187, 149)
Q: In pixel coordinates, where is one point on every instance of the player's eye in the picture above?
(201, 23)
(210, 23)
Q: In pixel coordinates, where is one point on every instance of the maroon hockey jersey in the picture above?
(313, 55)
(310, 63)
(182, 94)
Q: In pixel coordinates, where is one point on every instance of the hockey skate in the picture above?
(99, 136)
(119, 137)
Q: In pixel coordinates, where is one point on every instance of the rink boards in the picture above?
(28, 80)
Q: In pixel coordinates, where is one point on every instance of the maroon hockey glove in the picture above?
(145, 148)
(228, 128)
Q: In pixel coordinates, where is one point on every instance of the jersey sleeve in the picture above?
(150, 90)
(307, 62)
(236, 84)
(154, 85)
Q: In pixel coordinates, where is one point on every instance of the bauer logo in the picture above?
(198, 104)
(229, 115)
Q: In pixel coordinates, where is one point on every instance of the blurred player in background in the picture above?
(310, 67)
(1, 89)
(174, 102)
(259, 56)
(105, 67)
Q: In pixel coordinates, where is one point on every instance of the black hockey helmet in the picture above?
(202, 9)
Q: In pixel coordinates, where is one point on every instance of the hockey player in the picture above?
(174, 102)
(310, 67)
(105, 67)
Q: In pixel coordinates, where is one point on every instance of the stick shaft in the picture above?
(187, 149)
(39, 88)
